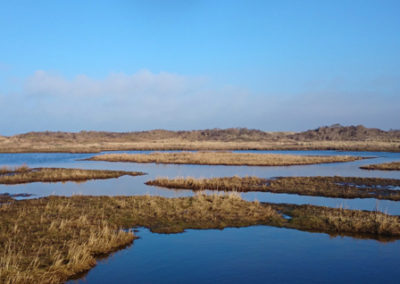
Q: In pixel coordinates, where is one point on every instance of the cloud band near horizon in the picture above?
(146, 100)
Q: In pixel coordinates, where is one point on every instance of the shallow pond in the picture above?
(257, 254)
(128, 185)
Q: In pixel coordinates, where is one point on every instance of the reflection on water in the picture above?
(255, 254)
(249, 255)
(128, 185)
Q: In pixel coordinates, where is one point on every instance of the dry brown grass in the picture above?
(337, 137)
(337, 187)
(25, 174)
(10, 170)
(223, 158)
(49, 244)
(394, 166)
(339, 221)
(51, 239)
(14, 145)
(5, 197)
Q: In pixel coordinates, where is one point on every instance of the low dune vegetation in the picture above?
(337, 187)
(394, 166)
(49, 240)
(223, 158)
(24, 174)
(334, 137)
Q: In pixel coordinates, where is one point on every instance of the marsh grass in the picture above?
(10, 170)
(5, 197)
(337, 187)
(45, 244)
(223, 158)
(25, 174)
(49, 240)
(394, 166)
(337, 221)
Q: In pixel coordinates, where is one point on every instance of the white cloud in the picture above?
(117, 85)
(145, 100)
(121, 102)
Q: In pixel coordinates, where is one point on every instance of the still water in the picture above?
(256, 254)
(128, 185)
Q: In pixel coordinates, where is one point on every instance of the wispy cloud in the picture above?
(120, 102)
(142, 83)
(146, 100)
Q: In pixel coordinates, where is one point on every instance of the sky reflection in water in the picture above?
(256, 254)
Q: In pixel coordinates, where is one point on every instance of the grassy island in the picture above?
(49, 240)
(25, 174)
(223, 158)
(338, 187)
(394, 166)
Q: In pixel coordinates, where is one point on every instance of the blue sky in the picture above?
(135, 65)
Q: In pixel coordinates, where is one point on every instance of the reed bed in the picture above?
(223, 158)
(49, 240)
(394, 166)
(336, 187)
(25, 174)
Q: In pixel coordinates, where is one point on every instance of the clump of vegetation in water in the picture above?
(49, 240)
(394, 166)
(24, 174)
(223, 158)
(337, 187)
